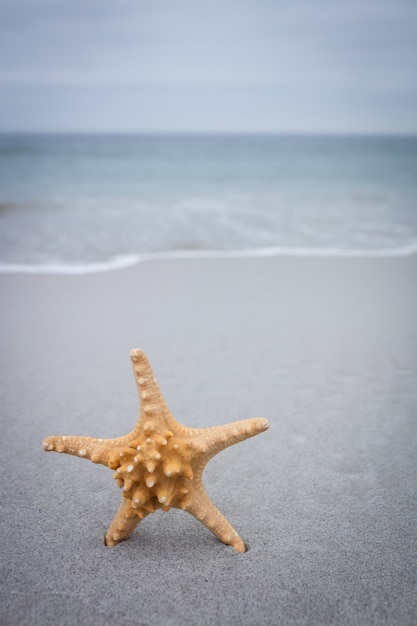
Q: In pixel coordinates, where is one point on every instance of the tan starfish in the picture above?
(160, 463)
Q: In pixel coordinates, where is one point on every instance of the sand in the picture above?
(325, 348)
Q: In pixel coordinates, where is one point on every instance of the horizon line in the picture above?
(205, 133)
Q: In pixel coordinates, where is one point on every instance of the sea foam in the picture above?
(121, 262)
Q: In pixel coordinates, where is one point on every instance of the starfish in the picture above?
(160, 463)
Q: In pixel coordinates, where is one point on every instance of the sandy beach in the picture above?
(325, 348)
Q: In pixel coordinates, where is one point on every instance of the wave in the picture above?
(115, 263)
(129, 260)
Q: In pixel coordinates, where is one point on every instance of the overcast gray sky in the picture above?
(208, 65)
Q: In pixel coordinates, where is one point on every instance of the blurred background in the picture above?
(141, 127)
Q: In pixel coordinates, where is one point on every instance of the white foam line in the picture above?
(130, 260)
(116, 263)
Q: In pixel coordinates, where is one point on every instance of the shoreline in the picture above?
(124, 261)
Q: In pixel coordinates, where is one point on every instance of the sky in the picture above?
(294, 66)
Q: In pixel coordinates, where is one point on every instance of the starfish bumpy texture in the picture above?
(161, 462)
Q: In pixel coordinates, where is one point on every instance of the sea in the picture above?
(89, 203)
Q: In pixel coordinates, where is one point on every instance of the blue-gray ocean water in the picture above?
(86, 200)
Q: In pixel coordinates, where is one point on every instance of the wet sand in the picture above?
(325, 348)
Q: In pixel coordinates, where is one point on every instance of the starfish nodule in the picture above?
(161, 462)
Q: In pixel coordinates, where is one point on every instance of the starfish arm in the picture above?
(152, 402)
(124, 523)
(104, 451)
(217, 438)
(202, 508)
